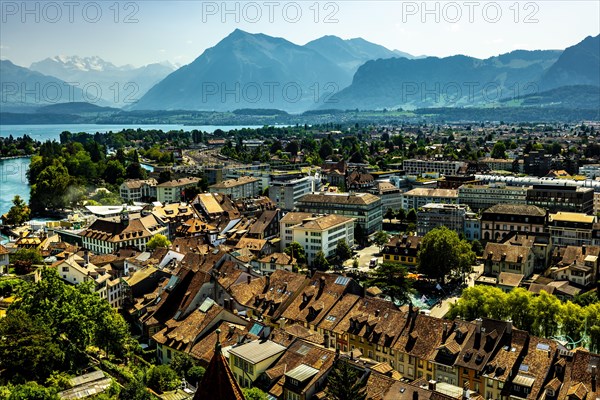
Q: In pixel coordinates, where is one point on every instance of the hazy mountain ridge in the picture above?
(117, 85)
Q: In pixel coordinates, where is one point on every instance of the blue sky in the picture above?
(143, 32)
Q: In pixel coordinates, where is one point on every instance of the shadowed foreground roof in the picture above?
(218, 381)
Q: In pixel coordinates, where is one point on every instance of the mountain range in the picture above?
(118, 86)
(257, 71)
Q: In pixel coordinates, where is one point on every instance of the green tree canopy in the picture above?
(342, 250)
(18, 213)
(392, 279)
(343, 383)
(320, 262)
(162, 378)
(254, 394)
(442, 252)
(499, 150)
(295, 250)
(381, 238)
(156, 241)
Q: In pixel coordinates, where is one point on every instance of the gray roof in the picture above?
(302, 372)
(257, 351)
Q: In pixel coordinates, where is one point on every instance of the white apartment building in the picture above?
(104, 236)
(480, 197)
(571, 229)
(419, 167)
(287, 193)
(136, 190)
(239, 188)
(173, 191)
(323, 233)
(419, 197)
(287, 222)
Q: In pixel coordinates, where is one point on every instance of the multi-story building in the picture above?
(138, 190)
(480, 197)
(418, 167)
(286, 223)
(239, 188)
(173, 191)
(506, 257)
(322, 233)
(571, 229)
(276, 261)
(419, 197)
(556, 198)
(402, 250)
(250, 360)
(472, 229)
(433, 215)
(596, 203)
(590, 171)
(579, 264)
(501, 220)
(365, 208)
(500, 164)
(104, 236)
(287, 193)
(390, 195)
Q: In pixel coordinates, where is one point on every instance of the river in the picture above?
(13, 179)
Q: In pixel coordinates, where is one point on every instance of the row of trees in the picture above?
(542, 315)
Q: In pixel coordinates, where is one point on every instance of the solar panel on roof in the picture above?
(543, 346)
(524, 367)
(342, 280)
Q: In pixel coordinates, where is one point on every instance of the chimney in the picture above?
(431, 385)
(509, 326)
(231, 304)
(282, 322)
(466, 392)
(231, 329)
(377, 313)
(322, 283)
(267, 280)
(415, 395)
(478, 323)
(249, 278)
(226, 304)
(86, 257)
(177, 248)
(583, 249)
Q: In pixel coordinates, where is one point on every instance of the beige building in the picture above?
(571, 229)
(322, 233)
(239, 188)
(484, 196)
(505, 257)
(365, 208)
(173, 191)
(418, 167)
(137, 190)
(419, 197)
(250, 360)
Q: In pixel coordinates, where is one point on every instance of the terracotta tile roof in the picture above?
(179, 182)
(338, 312)
(317, 298)
(115, 231)
(509, 279)
(252, 244)
(575, 254)
(340, 198)
(230, 183)
(481, 346)
(295, 217)
(263, 221)
(538, 361)
(519, 209)
(497, 252)
(421, 336)
(231, 334)
(181, 335)
(538, 287)
(3, 250)
(218, 381)
(378, 385)
(278, 258)
(299, 353)
(324, 222)
(455, 336)
(511, 349)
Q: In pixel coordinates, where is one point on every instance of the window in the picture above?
(168, 353)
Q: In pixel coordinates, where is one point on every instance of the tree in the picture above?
(412, 215)
(320, 262)
(342, 250)
(477, 247)
(49, 190)
(572, 320)
(359, 235)
(392, 280)
(135, 390)
(32, 391)
(135, 171)
(344, 383)
(114, 172)
(195, 374)
(182, 363)
(389, 214)
(156, 241)
(24, 259)
(442, 252)
(296, 251)
(546, 309)
(162, 378)
(18, 213)
(499, 150)
(381, 238)
(401, 214)
(254, 394)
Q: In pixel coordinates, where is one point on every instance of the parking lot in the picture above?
(364, 256)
